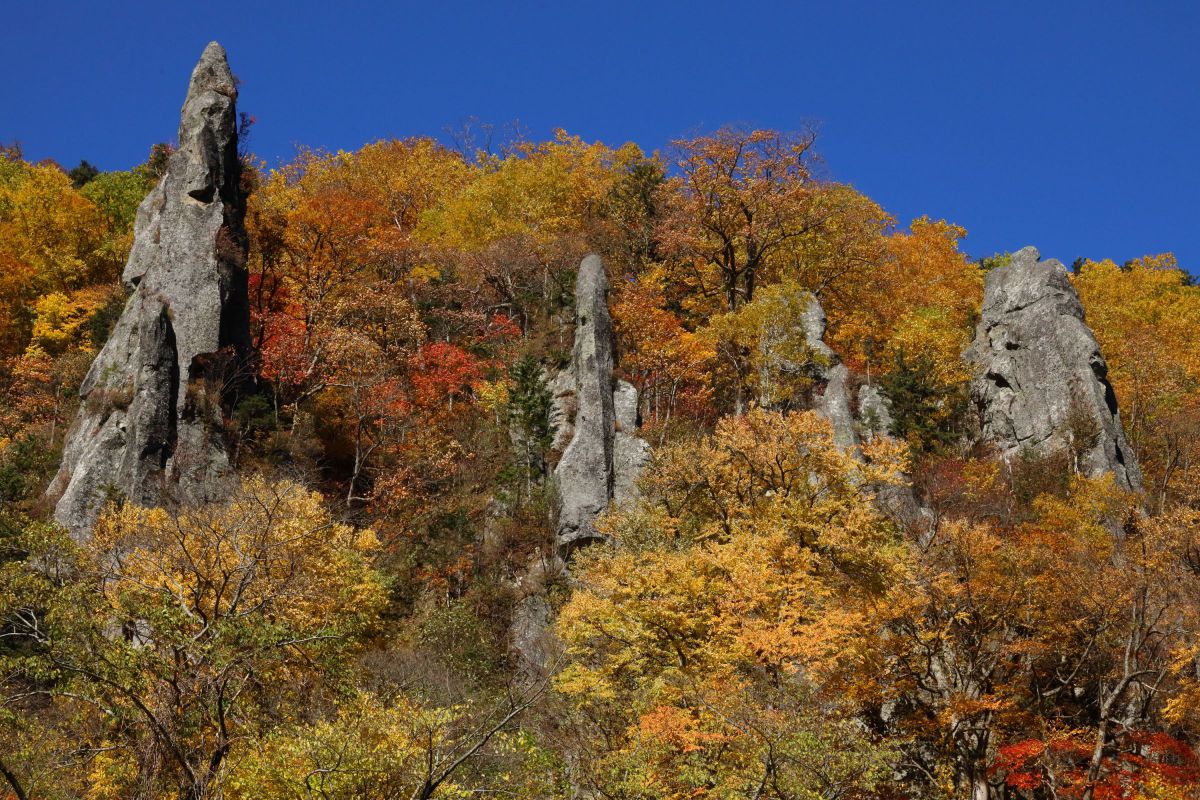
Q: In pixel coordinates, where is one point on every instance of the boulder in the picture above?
(149, 427)
(1041, 384)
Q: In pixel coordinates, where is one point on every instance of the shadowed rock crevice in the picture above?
(140, 432)
(1039, 371)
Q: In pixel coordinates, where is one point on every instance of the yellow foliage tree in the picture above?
(519, 228)
(923, 297)
(60, 320)
(396, 749)
(47, 224)
(1145, 315)
(195, 618)
(710, 643)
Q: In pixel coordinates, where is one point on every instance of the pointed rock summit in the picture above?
(1041, 384)
(150, 424)
(595, 416)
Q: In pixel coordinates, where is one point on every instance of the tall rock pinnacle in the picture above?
(595, 420)
(150, 423)
(603, 454)
(1041, 384)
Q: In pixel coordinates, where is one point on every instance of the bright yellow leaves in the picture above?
(196, 620)
(55, 247)
(540, 194)
(767, 339)
(60, 320)
(271, 552)
(739, 589)
(370, 749)
(46, 224)
(769, 471)
(921, 299)
(1145, 317)
(397, 748)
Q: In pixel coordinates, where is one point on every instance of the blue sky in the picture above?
(1072, 126)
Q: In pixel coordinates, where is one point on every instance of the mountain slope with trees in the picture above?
(835, 577)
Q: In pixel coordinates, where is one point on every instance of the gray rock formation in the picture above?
(531, 633)
(874, 412)
(595, 422)
(789, 349)
(832, 397)
(149, 426)
(1040, 381)
(631, 453)
(595, 417)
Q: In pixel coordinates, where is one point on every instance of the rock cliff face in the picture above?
(149, 426)
(1040, 381)
(596, 418)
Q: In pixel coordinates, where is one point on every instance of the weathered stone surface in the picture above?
(585, 472)
(1040, 382)
(532, 637)
(832, 396)
(874, 412)
(532, 640)
(149, 426)
(595, 416)
(631, 453)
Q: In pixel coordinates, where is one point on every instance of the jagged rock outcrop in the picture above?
(149, 425)
(782, 353)
(832, 397)
(595, 417)
(832, 400)
(1040, 382)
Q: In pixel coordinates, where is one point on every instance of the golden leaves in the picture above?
(271, 550)
(743, 580)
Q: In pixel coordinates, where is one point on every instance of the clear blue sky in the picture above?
(1073, 126)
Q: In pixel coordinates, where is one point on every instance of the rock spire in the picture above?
(596, 418)
(1041, 384)
(150, 424)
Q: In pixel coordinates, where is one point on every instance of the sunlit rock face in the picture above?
(149, 427)
(595, 417)
(1041, 383)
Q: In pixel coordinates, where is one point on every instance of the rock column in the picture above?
(150, 424)
(1041, 384)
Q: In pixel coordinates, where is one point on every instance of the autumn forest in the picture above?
(507, 468)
